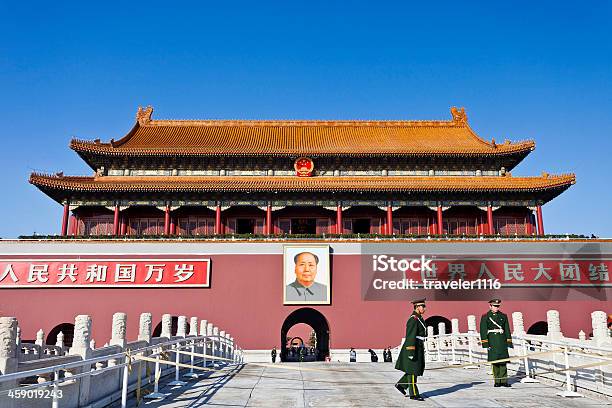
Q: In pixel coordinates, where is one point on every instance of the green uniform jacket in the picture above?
(413, 347)
(496, 343)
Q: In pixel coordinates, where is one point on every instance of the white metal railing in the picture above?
(223, 350)
(539, 356)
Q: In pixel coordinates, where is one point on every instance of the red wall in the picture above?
(246, 298)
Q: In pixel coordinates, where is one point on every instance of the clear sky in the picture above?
(523, 70)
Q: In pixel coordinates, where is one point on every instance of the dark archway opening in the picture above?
(318, 322)
(433, 321)
(67, 330)
(538, 329)
(173, 330)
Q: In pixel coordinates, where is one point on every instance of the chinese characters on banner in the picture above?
(517, 272)
(98, 271)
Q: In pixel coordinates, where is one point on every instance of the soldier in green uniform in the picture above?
(411, 359)
(496, 338)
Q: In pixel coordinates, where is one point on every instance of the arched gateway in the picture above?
(314, 319)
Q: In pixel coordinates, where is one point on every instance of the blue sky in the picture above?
(532, 70)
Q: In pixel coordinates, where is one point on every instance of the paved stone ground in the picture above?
(355, 385)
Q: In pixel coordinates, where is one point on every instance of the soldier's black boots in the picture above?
(418, 398)
(400, 389)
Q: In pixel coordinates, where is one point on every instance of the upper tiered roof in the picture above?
(250, 183)
(546, 186)
(295, 138)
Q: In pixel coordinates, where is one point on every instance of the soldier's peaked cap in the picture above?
(495, 302)
(418, 302)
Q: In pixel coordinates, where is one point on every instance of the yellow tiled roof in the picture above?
(239, 137)
(293, 183)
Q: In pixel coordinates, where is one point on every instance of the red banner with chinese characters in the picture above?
(395, 277)
(520, 272)
(99, 271)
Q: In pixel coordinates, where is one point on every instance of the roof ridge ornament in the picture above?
(459, 115)
(143, 115)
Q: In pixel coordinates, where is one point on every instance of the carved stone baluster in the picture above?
(166, 326)
(144, 329)
(518, 324)
(554, 325)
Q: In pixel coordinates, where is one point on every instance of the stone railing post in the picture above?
(210, 343)
(471, 322)
(81, 347)
(166, 326)
(144, 327)
(119, 330)
(82, 336)
(202, 332)
(455, 326)
(9, 359)
(518, 325)
(599, 322)
(554, 325)
(193, 326)
(430, 342)
(40, 338)
(230, 346)
(216, 342)
(223, 344)
(441, 333)
(8, 345)
(59, 341)
(181, 329)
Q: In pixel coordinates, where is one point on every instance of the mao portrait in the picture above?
(306, 275)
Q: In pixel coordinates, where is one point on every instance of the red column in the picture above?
(540, 220)
(490, 219)
(167, 221)
(218, 220)
(72, 226)
(123, 229)
(339, 228)
(440, 224)
(528, 226)
(65, 219)
(172, 225)
(269, 220)
(389, 220)
(116, 221)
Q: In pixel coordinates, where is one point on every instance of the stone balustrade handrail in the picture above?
(83, 363)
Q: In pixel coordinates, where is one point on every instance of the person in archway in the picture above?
(387, 355)
(304, 288)
(273, 353)
(411, 359)
(495, 336)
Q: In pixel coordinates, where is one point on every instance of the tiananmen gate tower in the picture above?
(220, 218)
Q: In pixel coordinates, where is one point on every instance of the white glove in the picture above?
(411, 357)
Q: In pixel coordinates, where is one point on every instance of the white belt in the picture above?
(500, 331)
(421, 338)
